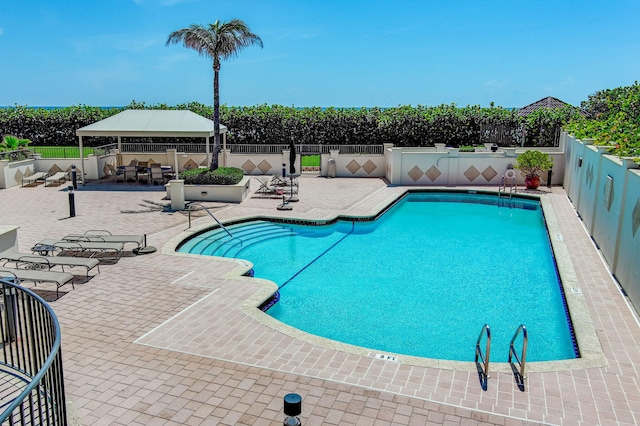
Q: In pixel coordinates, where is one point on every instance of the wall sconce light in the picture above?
(580, 162)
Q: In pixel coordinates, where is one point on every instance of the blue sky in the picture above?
(319, 53)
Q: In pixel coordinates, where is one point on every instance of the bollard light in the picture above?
(549, 176)
(292, 409)
(72, 202)
(74, 176)
(284, 170)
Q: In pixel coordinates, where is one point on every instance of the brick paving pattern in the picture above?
(166, 339)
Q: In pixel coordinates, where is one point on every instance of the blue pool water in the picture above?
(421, 280)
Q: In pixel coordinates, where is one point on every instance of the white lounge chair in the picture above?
(34, 178)
(47, 262)
(38, 276)
(59, 177)
(103, 250)
(100, 235)
(267, 188)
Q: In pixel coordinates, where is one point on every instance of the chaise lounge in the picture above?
(38, 276)
(103, 250)
(100, 235)
(47, 262)
(59, 177)
(34, 178)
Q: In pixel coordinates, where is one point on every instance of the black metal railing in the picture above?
(31, 378)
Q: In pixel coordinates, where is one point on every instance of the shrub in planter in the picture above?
(533, 162)
(219, 176)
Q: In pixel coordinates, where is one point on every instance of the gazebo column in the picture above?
(82, 161)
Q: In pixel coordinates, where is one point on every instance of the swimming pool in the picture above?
(421, 280)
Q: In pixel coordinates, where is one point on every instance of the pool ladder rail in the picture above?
(521, 360)
(518, 367)
(483, 366)
(508, 180)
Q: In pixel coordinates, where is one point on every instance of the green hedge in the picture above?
(275, 124)
(611, 117)
(220, 176)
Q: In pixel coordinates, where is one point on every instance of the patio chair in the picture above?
(38, 276)
(59, 177)
(31, 261)
(98, 249)
(266, 187)
(130, 172)
(118, 172)
(34, 178)
(100, 235)
(157, 175)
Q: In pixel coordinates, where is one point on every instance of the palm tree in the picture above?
(220, 40)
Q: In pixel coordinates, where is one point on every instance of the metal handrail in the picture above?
(523, 355)
(479, 355)
(31, 353)
(210, 214)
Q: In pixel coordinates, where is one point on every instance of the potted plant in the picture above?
(533, 162)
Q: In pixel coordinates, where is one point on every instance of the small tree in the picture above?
(532, 162)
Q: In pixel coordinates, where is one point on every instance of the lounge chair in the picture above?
(100, 235)
(266, 187)
(104, 250)
(38, 276)
(34, 178)
(59, 177)
(47, 262)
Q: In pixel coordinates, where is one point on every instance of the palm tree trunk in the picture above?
(216, 118)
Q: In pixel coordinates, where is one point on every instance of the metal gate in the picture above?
(309, 159)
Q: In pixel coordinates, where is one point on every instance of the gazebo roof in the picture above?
(548, 102)
(152, 123)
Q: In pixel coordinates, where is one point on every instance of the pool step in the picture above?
(219, 243)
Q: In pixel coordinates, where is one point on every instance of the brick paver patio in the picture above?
(169, 339)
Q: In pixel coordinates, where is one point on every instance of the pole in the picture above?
(74, 176)
(72, 202)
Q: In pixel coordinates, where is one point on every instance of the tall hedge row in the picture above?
(269, 124)
(612, 117)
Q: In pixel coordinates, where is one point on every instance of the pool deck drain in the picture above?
(229, 368)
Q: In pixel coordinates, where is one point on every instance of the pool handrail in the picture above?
(210, 214)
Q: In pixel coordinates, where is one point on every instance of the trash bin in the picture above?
(331, 168)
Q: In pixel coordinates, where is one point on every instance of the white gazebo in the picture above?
(153, 123)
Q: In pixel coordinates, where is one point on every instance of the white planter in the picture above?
(223, 193)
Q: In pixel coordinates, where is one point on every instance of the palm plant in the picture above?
(13, 143)
(220, 40)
